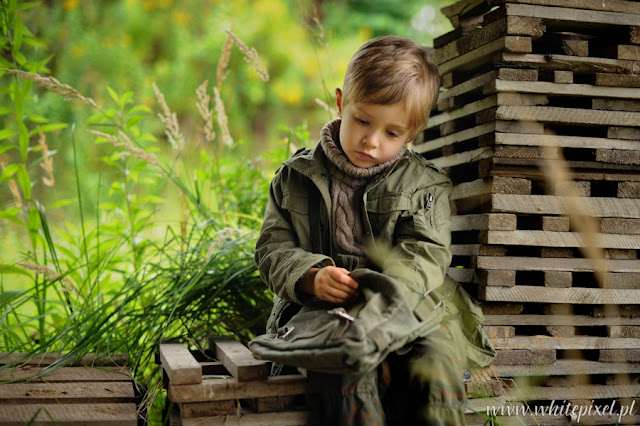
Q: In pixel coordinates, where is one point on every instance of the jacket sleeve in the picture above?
(420, 254)
(281, 260)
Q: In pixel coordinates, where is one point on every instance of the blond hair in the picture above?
(391, 69)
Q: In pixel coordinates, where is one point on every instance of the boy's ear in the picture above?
(339, 101)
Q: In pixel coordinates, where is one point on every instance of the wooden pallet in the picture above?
(230, 387)
(96, 394)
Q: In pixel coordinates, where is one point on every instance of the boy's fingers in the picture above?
(342, 276)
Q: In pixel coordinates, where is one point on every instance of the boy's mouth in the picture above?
(364, 155)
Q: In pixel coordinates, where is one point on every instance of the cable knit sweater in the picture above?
(348, 183)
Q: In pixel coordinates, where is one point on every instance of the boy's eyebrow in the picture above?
(398, 127)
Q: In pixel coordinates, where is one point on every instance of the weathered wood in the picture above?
(588, 392)
(548, 88)
(555, 223)
(510, 25)
(525, 357)
(631, 52)
(496, 278)
(522, 293)
(557, 239)
(629, 190)
(557, 320)
(539, 264)
(622, 6)
(68, 393)
(572, 15)
(558, 279)
(615, 104)
(577, 342)
(499, 331)
(89, 360)
(495, 185)
(503, 222)
(467, 110)
(567, 115)
(239, 360)
(520, 44)
(567, 367)
(619, 355)
(67, 374)
(575, 64)
(222, 389)
(551, 204)
(620, 226)
(189, 410)
(565, 77)
(286, 418)
(463, 157)
(628, 133)
(69, 414)
(456, 137)
(471, 85)
(554, 141)
(616, 156)
(181, 367)
(617, 80)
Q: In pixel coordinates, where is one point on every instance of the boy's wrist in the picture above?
(306, 284)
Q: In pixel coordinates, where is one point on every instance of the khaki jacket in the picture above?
(406, 216)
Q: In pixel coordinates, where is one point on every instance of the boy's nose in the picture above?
(372, 140)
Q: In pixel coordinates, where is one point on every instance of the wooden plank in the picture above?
(558, 320)
(557, 239)
(567, 115)
(455, 137)
(239, 360)
(548, 88)
(579, 295)
(467, 110)
(575, 64)
(68, 393)
(509, 25)
(525, 357)
(538, 264)
(472, 222)
(622, 6)
(472, 59)
(567, 367)
(467, 86)
(620, 226)
(222, 389)
(616, 156)
(88, 360)
(67, 414)
(67, 374)
(493, 185)
(630, 52)
(552, 204)
(586, 392)
(254, 419)
(553, 141)
(617, 80)
(463, 157)
(572, 15)
(615, 104)
(181, 367)
(577, 342)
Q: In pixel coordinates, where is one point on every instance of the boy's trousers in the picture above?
(421, 387)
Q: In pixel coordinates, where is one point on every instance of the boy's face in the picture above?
(372, 134)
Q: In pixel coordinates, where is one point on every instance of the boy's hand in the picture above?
(330, 284)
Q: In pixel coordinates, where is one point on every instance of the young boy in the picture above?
(358, 185)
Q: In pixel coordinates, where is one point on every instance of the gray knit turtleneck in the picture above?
(348, 183)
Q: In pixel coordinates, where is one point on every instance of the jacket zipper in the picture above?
(429, 203)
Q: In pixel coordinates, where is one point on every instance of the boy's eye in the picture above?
(361, 121)
(392, 134)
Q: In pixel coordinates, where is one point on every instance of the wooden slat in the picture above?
(463, 157)
(466, 110)
(586, 392)
(221, 389)
(69, 414)
(468, 86)
(539, 264)
(259, 419)
(559, 62)
(577, 342)
(567, 367)
(563, 141)
(574, 320)
(572, 15)
(567, 115)
(548, 88)
(523, 293)
(558, 239)
(622, 6)
(461, 136)
(483, 53)
(239, 360)
(68, 374)
(43, 393)
(498, 221)
(89, 360)
(181, 367)
(551, 204)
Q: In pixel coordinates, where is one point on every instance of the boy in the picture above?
(360, 184)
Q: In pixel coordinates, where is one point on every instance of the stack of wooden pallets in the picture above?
(530, 85)
(229, 386)
(94, 393)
